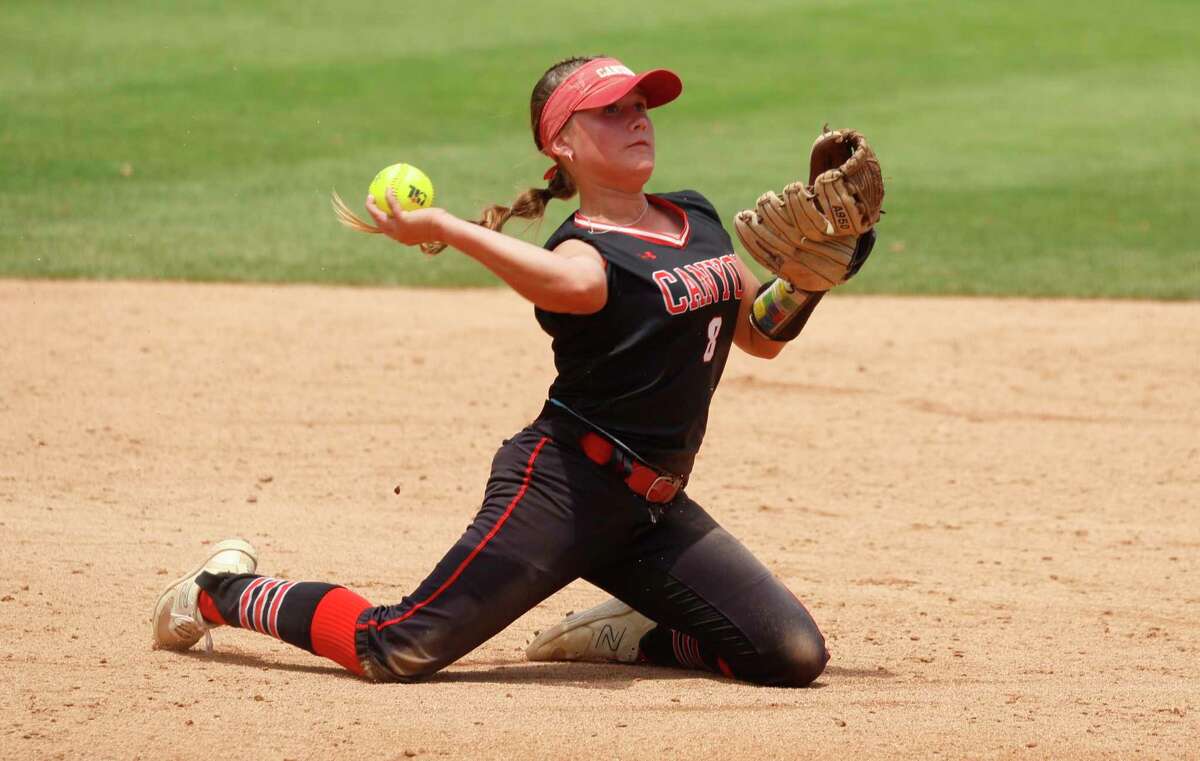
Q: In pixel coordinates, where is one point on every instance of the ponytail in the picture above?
(532, 203)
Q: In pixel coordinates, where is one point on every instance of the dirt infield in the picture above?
(988, 505)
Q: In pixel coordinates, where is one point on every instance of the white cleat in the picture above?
(611, 631)
(177, 623)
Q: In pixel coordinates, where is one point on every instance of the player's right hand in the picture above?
(412, 228)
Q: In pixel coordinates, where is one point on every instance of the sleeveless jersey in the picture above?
(644, 368)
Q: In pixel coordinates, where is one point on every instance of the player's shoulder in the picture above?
(692, 200)
(568, 230)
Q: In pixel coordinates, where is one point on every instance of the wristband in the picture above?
(780, 310)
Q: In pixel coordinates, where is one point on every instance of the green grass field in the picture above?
(1030, 148)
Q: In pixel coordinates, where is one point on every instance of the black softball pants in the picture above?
(550, 516)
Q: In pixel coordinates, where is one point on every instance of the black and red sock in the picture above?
(663, 646)
(312, 615)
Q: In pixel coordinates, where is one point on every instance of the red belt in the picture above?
(645, 482)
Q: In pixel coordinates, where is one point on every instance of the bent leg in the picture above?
(717, 606)
(528, 540)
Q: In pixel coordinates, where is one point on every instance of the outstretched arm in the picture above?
(570, 279)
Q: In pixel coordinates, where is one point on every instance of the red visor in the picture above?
(599, 83)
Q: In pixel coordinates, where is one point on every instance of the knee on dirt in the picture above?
(795, 658)
(403, 665)
(402, 654)
(803, 659)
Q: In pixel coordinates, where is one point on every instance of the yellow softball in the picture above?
(412, 187)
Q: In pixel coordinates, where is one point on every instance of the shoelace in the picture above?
(197, 621)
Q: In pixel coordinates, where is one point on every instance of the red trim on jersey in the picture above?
(666, 239)
(373, 624)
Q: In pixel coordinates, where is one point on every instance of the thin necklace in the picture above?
(645, 209)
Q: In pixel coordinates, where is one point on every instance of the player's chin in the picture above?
(626, 170)
(640, 152)
(638, 166)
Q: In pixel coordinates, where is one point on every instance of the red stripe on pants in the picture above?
(373, 624)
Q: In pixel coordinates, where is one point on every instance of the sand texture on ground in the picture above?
(989, 506)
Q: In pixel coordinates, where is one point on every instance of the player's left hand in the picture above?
(817, 236)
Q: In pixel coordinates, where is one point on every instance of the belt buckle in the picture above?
(672, 484)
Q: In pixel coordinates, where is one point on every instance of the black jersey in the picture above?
(644, 368)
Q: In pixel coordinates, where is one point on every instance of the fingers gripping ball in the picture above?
(412, 188)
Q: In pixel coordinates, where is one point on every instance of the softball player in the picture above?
(643, 298)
